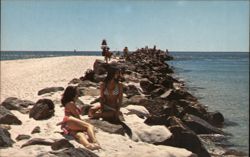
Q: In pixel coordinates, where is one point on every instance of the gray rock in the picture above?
(131, 90)
(69, 152)
(146, 85)
(37, 141)
(166, 94)
(6, 117)
(62, 143)
(87, 83)
(107, 127)
(43, 109)
(22, 137)
(200, 126)
(13, 103)
(100, 67)
(185, 139)
(37, 129)
(5, 138)
(49, 90)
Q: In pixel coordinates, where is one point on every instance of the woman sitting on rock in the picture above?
(72, 123)
(111, 98)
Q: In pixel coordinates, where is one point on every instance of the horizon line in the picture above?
(111, 51)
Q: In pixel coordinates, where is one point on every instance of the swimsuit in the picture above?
(64, 126)
(115, 91)
(106, 93)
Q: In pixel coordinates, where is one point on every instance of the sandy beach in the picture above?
(24, 78)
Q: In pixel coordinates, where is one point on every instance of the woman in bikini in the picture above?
(72, 123)
(111, 98)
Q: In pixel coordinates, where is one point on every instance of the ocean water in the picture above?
(12, 55)
(221, 81)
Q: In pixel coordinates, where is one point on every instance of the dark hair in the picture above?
(104, 42)
(69, 95)
(111, 74)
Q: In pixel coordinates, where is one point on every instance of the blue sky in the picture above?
(77, 24)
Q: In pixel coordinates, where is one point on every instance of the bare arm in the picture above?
(101, 94)
(120, 96)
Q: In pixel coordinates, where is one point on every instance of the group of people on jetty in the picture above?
(111, 92)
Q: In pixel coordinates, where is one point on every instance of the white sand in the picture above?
(24, 78)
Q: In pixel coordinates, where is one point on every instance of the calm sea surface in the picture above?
(12, 55)
(221, 81)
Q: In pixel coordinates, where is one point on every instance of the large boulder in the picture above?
(89, 75)
(135, 100)
(200, 126)
(146, 133)
(62, 143)
(183, 138)
(181, 94)
(146, 85)
(157, 120)
(140, 111)
(195, 109)
(5, 138)
(43, 109)
(215, 118)
(6, 117)
(131, 90)
(50, 90)
(107, 127)
(13, 103)
(99, 67)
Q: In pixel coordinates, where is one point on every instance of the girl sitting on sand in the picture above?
(111, 98)
(72, 123)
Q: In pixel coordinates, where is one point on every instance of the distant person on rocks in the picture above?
(104, 48)
(108, 55)
(125, 52)
(166, 51)
(111, 98)
(154, 49)
(72, 123)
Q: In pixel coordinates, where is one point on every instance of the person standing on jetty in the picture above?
(72, 123)
(111, 98)
(105, 50)
(125, 52)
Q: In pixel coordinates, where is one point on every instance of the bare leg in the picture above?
(93, 110)
(77, 124)
(82, 139)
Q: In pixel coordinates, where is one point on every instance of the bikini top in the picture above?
(69, 113)
(115, 91)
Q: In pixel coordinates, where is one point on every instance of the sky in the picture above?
(65, 25)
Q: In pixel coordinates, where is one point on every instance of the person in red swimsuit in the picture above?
(72, 123)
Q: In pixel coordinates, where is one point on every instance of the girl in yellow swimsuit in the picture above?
(72, 123)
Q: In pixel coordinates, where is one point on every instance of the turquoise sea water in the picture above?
(221, 81)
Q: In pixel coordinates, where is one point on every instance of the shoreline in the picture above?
(56, 97)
